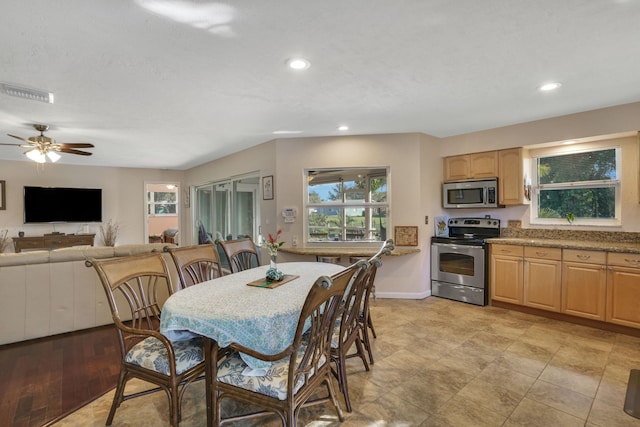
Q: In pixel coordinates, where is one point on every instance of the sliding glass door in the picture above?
(227, 209)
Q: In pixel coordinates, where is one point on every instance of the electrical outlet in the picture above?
(513, 223)
(426, 219)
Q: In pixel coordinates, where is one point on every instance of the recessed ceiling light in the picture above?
(343, 128)
(549, 86)
(286, 132)
(298, 63)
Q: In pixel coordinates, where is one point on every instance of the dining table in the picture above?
(243, 308)
(229, 310)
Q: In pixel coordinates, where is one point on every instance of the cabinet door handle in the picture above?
(632, 261)
(542, 253)
(583, 256)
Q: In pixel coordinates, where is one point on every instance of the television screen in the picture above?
(57, 204)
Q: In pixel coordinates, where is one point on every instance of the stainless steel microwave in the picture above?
(470, 194)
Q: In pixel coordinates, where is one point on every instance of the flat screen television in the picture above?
(58, 204)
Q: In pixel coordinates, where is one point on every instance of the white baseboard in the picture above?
(404, 295)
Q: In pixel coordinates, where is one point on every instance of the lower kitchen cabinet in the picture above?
(542, 278)
(623, 289)
(597, 285)
(506, 273)
(584, 283)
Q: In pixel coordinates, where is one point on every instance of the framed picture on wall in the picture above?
(267, 187)
(3, 197)
(405, 235)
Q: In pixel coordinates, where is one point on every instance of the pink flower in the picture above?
(273, 240)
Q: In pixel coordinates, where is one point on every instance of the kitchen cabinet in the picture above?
(512, 172)
(623, 289)
(506, 273)
(542, 278)
(584, 282)
(471, 166)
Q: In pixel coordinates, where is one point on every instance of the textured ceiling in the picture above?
(174, 84)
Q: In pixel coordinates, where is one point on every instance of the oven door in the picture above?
(458, 264)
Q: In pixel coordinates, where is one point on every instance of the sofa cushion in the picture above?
(135, 249)
(24, 258)
(76, 253)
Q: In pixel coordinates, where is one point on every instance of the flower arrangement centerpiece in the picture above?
(273, 245)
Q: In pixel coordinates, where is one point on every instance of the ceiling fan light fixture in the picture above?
(36, 155)
(53, 156)
(27, 93)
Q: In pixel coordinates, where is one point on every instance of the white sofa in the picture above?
(45, 293)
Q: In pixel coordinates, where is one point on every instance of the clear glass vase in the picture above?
(273, 273)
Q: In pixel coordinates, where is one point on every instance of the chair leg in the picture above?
(360, 353)
(342, 379)
(117, 397)
(364, 330)
(370, 325)
(334, 399)
(174, 405)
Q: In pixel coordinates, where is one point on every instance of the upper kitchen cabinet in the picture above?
(512, 181)
(471, 166)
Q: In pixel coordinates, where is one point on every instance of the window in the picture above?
(227, 209)
(347, 205)
(162, 203)
(581, 186)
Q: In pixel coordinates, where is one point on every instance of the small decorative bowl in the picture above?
(275, 275)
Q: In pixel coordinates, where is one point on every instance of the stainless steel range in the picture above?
(459, 262)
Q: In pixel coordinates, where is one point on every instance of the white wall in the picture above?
(607, 121)
(415, 160)
(123, 195)
(400, 276)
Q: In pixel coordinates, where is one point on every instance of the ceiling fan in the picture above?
(42, 147)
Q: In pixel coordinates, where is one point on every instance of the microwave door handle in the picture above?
(485, 191)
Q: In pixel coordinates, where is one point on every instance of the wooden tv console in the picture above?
(52, 241)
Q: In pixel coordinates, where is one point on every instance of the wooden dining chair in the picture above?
(196, 264)
(296, 372)
(135, 287)
(241, 254)
(364, 320)
(347, 332)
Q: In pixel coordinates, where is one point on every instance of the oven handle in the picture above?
(454, 246)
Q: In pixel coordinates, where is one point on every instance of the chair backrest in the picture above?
(136, 287)
(241, 254)
(320, 310)
(351, 307)
(196, 264)
(370, 276)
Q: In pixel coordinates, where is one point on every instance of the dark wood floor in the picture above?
(43, 379)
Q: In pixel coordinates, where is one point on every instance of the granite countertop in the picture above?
(346, 251)
(594, 245)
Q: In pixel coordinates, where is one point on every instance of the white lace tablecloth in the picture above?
(227, 310)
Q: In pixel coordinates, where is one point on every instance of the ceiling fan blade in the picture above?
(72, 151)
(13, 145)
(20, 138)
(75, 145)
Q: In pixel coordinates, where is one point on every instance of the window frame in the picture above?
(348, 174)
(152, 203)
(574, 149)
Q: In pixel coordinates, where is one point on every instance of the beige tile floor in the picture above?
(445, 363)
